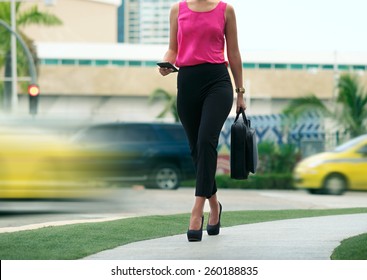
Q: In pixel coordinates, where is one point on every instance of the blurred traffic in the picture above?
(344, 168)
(43, 163)
(154, 154)
(38, 163)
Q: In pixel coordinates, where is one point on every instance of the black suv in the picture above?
(154, 154)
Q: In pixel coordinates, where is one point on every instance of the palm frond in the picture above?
(4, 33)
(24, 17)
(1, 89)
(34, 16)
(353, 99)
(5, 12)
(348, 88)
(160, 95)
(170, 103)
(307, 104)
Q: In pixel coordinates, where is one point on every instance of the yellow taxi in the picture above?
(344, 168)
(36, 164)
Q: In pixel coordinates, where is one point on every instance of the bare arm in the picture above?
(171, 53)
(233, 53)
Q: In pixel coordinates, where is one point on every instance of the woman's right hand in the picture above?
(240, 103)
(165, 71)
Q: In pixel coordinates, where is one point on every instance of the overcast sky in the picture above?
(300, 25)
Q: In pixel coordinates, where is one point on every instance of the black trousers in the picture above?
(204, 100)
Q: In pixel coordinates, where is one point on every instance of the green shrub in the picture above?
(1, 93)
(257, 181)
(275, 158)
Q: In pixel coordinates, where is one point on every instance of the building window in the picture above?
(343, 67)
(296, 66)
(280, 66)
(68, 61)
(327, 67)
(264, 65)
(359, 67)
(118, 62)
(150, 63)
(134, 63)
(249, 65)
(48, 61)
(102, 62)
(85, 62)
(312, 66)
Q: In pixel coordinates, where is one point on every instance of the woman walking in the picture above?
(199, 31)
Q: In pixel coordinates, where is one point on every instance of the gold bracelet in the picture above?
(240, 90)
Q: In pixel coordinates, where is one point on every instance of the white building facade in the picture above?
(144, 21)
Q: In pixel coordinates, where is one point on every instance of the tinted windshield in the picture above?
(173, 133)
(116, 133)
(349, 144)
(113, 133)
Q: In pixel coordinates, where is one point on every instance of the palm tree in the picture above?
(24, 18)
(169, 99)
(350, 110)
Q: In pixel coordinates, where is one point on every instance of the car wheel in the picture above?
(335, 185)
(165, 177)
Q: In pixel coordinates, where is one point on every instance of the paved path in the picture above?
(296, 239)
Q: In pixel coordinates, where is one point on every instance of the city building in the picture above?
(144, 21)
(116, 80)
(84, 72)
(82, 21)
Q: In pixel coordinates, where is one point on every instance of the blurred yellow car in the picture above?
(38, 165)
(334, 172)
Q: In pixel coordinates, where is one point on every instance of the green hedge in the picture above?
(263, 181)
(275, 181)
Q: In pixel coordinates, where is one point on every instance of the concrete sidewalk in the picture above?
(296, 239)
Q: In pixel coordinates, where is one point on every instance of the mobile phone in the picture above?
(166, 64)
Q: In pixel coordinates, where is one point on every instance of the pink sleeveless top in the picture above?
(200, 35)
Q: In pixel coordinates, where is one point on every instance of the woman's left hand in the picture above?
(165, 71)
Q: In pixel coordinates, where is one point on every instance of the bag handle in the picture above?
(245, 120)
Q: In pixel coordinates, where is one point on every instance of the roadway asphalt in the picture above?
(137, 201)
(307, 239)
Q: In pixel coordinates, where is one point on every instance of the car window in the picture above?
(349, 144)
(174, 133)
(97, 134)
(136, 133)
(130, 133)
(363, 150)
(170, 133)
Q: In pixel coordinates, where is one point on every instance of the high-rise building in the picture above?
(144, 21)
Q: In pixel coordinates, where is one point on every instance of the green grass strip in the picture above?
(80, 240)
(353, 248)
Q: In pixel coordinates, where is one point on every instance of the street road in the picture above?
(137, 201)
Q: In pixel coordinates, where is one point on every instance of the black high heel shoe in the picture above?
(196, 235)
(214, 229)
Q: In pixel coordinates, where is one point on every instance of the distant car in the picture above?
(334, 172)
(156, 155)
(36, 164)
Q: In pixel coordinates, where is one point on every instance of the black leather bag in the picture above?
(244, 154)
